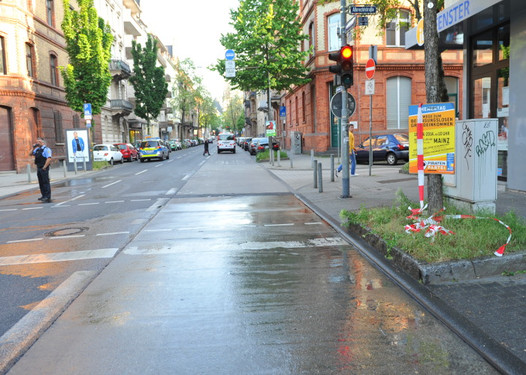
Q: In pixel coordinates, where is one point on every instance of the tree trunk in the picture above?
(434, 91)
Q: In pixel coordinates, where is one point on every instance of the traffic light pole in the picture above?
(345, 112)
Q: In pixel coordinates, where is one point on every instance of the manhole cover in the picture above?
(66, 232)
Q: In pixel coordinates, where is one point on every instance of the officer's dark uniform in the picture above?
(42, 174)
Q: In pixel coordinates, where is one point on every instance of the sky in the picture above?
(193, 28)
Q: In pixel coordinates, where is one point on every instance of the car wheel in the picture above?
(234, 151)
(391, 159)
(142, 160)
(122, 161)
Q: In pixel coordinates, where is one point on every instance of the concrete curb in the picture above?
(460, 270)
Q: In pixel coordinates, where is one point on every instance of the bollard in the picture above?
(290, 158)
(84, 161)
(315, 170)
(311, 155)
(28, 174)
(320, 179)
(332, 167)
(65, 169)
(279, 158)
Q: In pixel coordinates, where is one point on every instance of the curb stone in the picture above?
(427, 274)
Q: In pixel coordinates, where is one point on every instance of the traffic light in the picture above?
(344, 67)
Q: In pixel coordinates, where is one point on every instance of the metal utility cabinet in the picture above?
(474, 184)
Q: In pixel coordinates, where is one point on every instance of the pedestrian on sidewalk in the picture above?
(206, 148)
(352, 153)
(43, 155)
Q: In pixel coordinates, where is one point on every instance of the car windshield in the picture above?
(146, 144)
(122, 147)
(226, 137)
(100, 148)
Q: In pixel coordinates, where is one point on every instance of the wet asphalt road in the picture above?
(233, 275)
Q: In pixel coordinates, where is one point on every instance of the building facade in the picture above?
(399, 78)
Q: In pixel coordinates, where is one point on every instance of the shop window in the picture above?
(333, 25)
(395, 29)
(3, 67)
(398, 102)
(29, 60)
(53, 67)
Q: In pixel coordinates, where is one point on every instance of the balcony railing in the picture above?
(121, 107)
(120, 69)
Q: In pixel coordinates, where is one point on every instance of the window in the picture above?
(53, 66)
(303, 116)
(59, 136)
(396, 28)
(332, 32)
(398, 101)
(312, 44)
(29, 60)
(452, 91)
(3, 67)
(49, 13)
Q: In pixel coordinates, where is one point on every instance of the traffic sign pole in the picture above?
(344, 121)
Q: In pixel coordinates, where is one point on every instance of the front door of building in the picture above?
(6, 141)
(335, 128)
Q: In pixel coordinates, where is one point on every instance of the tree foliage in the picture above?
(234, 114)
(185, 94)
(88, 43)
(148, 80)
(267, 43)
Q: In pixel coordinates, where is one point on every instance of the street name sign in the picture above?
(362, 9)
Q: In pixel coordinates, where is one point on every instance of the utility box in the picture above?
(295, 143)
(474, 184)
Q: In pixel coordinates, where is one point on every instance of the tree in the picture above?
(185, 96)
(266, 42)
(234, 115)
(88, 43)
(148, 81)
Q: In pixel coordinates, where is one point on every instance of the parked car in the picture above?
(175, 145)
(226, 142)
(386, 147)
(128, 151)
(252, 147)
(107, 152)
(246, 143)
(262, 145)
(153, 148)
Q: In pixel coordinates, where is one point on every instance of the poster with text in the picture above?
(77, 145)
(439, 138)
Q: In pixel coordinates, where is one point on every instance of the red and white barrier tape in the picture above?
(433, 227)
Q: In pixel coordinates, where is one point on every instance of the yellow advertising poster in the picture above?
(439, 138)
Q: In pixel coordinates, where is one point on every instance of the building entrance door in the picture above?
(6, 141)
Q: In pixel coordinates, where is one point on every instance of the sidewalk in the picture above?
(488, 313)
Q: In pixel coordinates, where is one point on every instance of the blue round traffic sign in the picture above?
(229, 54)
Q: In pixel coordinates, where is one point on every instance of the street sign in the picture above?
(87, 111)
(363, 21)
(369, 87)
(362, 9)
(336, 104)
(230, 68)
(230, 54)
(282, 111)
(370, 68)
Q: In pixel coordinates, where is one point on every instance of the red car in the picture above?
(128, 151)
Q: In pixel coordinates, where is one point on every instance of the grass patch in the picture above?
(96, 165)
(473, 238)
(265, 155)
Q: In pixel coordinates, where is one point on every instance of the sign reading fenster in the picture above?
(398, 102)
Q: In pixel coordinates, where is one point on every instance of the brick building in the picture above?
(399, 78)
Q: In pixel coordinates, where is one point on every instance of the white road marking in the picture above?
(186, 177)
(141, 172)
(58, 257)
(111, 234)
(24, 333)
(70, 200)
(279, 225)
(8, 209)
(141, 200)
(65, 237)
(175, 248)
(32, 208)
(28, 240)
(114, 202)
(113, 183)
(171, 191)
(314, 223)
(158, 230)
(89, 204)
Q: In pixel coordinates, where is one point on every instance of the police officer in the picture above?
(42, 155)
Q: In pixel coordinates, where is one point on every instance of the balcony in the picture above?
(119, 69)
(121, 107)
